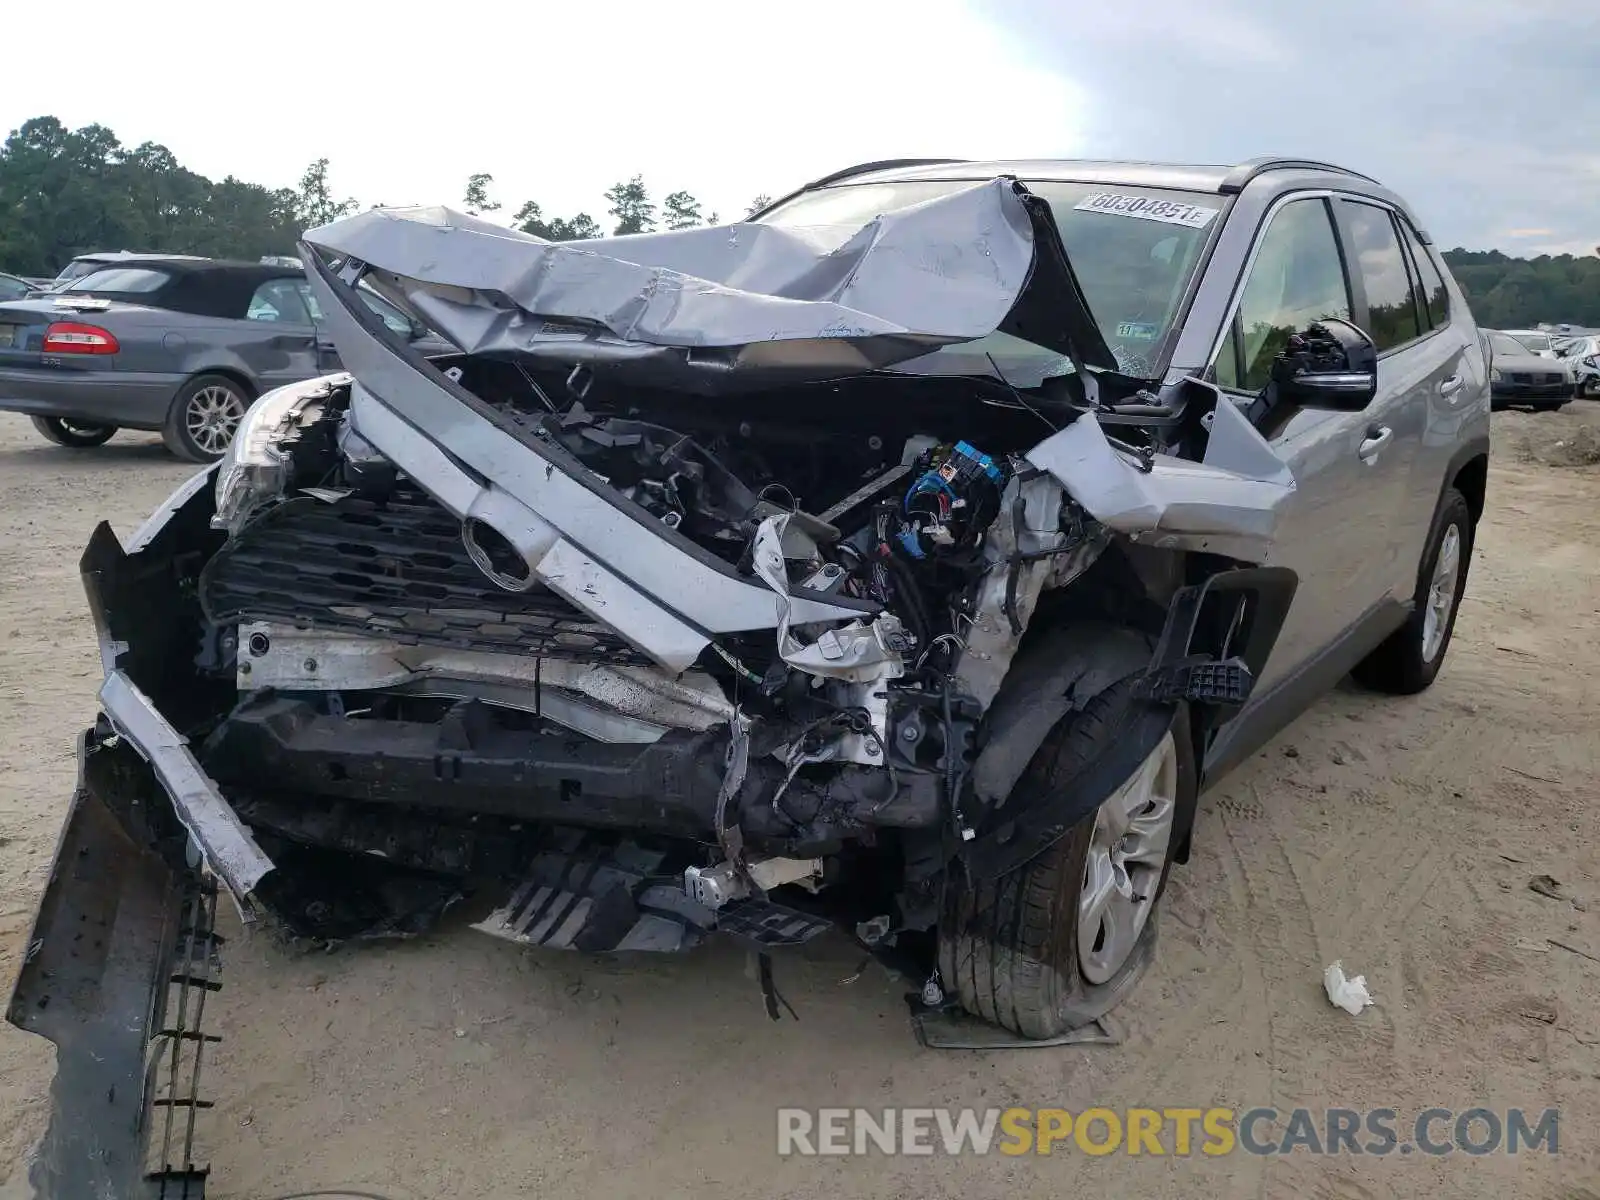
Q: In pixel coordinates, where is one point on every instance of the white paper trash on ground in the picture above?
(1349, 994)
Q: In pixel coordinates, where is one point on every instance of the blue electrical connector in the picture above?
(952, 500)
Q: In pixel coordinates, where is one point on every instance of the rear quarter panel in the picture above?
(263, 353)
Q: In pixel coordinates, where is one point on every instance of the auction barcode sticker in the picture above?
(1148, 208)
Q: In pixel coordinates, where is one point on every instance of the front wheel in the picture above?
(1063, 939)
(204, 416)
(77, 434)
(1409, 660)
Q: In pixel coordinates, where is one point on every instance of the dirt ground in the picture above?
(1396, 835)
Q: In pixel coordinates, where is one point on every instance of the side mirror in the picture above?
(1332, 364)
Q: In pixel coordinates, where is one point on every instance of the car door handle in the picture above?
(1449, 387)
(1377, 438)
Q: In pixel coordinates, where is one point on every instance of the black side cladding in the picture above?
(1211, 670)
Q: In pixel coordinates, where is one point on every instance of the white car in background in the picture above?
(1536, 340)
(1582, 356)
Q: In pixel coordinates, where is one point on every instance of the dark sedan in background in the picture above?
(180, 345)
(1520, 378)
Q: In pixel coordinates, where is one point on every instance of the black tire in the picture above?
(1008, 948)
(76, 434)
(188, 433)
(1401, 665)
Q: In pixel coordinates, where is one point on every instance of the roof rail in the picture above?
(1242, 174)
(883, 164)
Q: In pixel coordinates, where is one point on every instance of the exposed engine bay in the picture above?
(712, 606)
(365, 631)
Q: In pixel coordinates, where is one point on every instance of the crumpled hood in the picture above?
(725, 308)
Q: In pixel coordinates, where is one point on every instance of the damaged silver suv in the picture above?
(904, 560)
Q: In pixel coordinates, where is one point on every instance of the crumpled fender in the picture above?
(1228, 503)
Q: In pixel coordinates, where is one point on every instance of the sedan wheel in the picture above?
(77, 434)
(212, 416)
(204, 417)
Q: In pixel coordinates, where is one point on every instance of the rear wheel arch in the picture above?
(251, 387)
(1471, 479)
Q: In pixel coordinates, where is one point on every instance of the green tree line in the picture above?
(67, 191)
(1515, 293)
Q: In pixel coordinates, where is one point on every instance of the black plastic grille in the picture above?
(394, 567)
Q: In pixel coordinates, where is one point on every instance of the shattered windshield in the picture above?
(1133, 250)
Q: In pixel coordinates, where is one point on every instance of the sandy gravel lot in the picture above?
(1398, 835)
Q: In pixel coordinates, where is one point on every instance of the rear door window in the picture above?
(1435, 300)
(123, 280)
(1391, 300)
(391, 316)
(1296, 279)
(278, 300)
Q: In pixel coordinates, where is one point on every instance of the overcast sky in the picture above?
(1482, 112)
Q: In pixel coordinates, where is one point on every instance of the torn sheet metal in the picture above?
(855, 653)
(1018, 548)
(666, 601)
(274, 655)
(227, 845)
(1228, 503)
(728, 307)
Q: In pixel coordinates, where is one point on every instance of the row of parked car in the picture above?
(174, 343)
(1541, 370)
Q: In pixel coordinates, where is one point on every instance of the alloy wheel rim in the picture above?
(1127, 854)
(212, 416)
(1441, 598)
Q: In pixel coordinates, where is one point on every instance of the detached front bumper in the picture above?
(118, 967)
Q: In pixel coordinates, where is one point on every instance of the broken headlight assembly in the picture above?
(257, 466)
